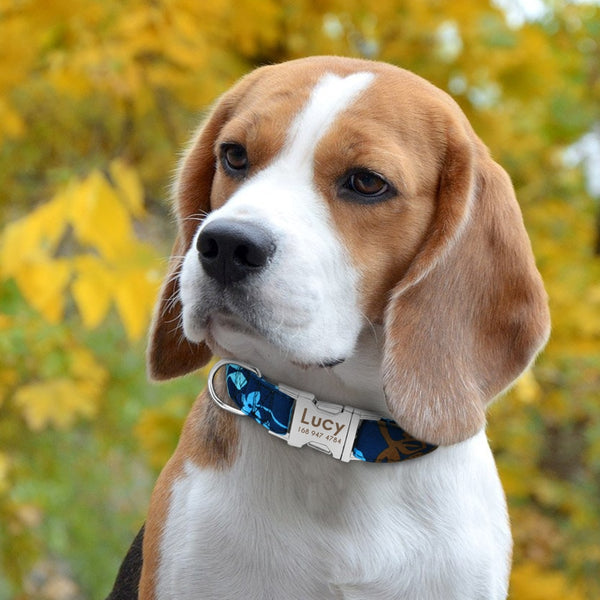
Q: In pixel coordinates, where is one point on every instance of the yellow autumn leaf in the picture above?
(60, 401)
(11, 122)
(38, 233)
(527, 389)
(43, 283)
(157, 431)
(184, 54)
(4, 470)
(11, 253)
(65, 76)
(530, 582)
(84, 366)
(128, 186)
(57, 402)
(99, 218)
(134, 298)
(91, 289)
(89, 374)
(516, 479)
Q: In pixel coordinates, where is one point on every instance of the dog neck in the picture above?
(356, 381)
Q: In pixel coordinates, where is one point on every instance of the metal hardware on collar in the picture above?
(328, 428)
(324, 426)
(211, 385)
(343, 432)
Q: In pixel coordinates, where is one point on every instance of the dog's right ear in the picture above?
(170, 354)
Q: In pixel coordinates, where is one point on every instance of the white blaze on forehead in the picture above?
(306, 302)
(328, 99)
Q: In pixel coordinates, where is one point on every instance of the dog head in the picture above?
(326, 194)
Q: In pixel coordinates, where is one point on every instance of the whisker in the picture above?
(196, 217)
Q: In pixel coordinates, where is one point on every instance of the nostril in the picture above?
(251, 256)
(207, 247)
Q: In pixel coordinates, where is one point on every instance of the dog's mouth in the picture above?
(329, 364)
(224, 329)
(226, 319)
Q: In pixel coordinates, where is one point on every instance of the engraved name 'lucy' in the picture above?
(327, 424)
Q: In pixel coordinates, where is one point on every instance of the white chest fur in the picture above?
(291, 524)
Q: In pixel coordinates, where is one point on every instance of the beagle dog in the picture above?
(349, 248)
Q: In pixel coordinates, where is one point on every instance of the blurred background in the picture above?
(98, 97)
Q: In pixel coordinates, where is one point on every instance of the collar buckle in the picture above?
(324, 426)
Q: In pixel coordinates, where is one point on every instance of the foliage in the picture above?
(96, 99)
(118, 268)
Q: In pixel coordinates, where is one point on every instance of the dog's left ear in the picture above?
(170, 354)
(471, 312)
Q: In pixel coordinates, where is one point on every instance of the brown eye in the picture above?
(363, 186)
(234, 159)
(367, 183)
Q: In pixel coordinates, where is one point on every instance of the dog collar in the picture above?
(343, 432)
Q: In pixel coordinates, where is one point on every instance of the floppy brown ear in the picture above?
(471, 312)
(169, 353)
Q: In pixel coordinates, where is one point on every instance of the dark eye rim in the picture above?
(230, 168)
(348, 191)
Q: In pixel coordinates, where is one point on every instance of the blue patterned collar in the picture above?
(343, 432)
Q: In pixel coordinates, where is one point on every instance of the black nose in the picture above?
(229, 251)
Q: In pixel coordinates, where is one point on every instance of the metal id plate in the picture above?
(322, 426)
